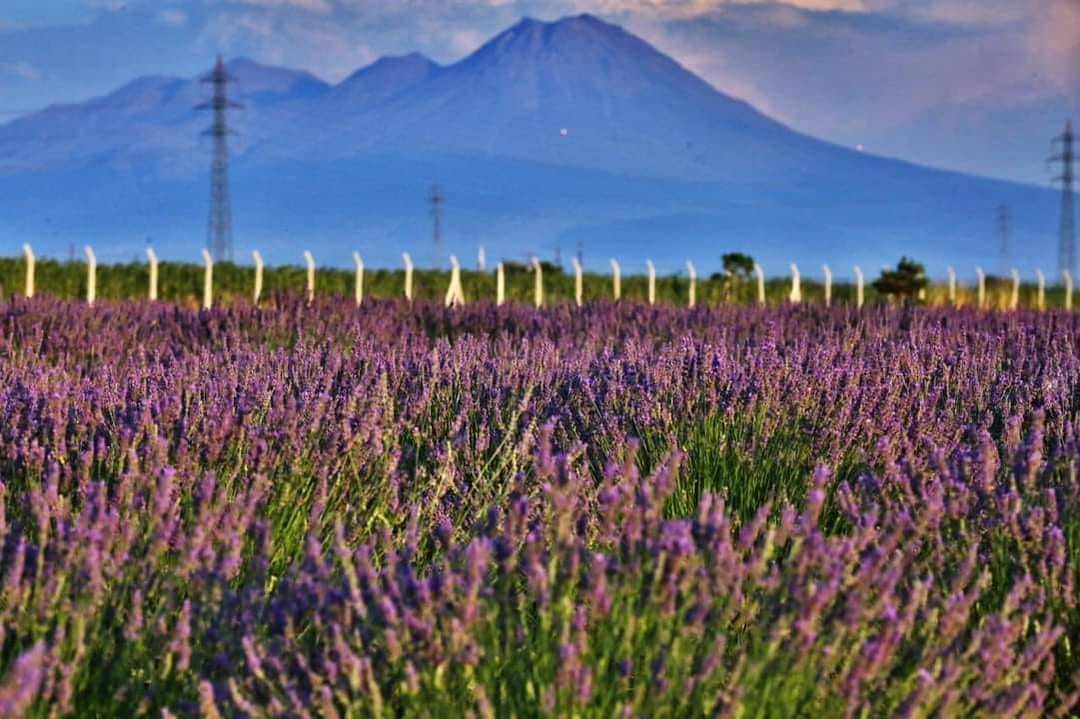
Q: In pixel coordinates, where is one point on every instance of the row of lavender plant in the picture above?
(629, 511)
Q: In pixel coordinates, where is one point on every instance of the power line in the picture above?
(1067, 227)
(437, 202)
(219, 225)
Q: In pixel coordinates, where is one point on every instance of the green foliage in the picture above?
(738, 264)
(906, 282)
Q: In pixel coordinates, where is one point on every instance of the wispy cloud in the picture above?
(322, 7)
(174, 18)
(23, 70)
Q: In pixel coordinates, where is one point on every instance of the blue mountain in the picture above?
(551, 136)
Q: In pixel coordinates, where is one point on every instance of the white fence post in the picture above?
(359, 278)
(408, 275)
(652, 281)
(579, 283)
(500, 285)
(208, 280)
(1040, 298)
(616, 279)
(151, 256)
(952, 285)
(796, 285)
(455, 295)
(1014, 300)
(309, 260)
(91, 275)
(1068, 289)
(256, 256)
(982, 286)
(859, 279)
(828, 285)
(28, 253)
(538, 289)
(760, 283)
(451, 296)
(692, 299)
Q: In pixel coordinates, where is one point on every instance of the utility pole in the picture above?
(437, 202)
(1067, 228)
(1003, 220)
(219, 227)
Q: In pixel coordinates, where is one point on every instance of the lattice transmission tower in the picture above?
(219, 235)
(438, 201)
(1067, 228)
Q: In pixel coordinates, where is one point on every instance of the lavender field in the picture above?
(620, 511)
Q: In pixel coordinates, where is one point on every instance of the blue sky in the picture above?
(974, 85)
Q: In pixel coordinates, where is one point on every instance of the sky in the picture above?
(979, 86)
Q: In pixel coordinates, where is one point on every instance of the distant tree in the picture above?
(737, 269)
(736, 264)
(906, 282)
(513, 268)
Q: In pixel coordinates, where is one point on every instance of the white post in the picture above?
(828, 285)
(208, 280)
(616, 279)
(408, 275)
(538, 290)
(152, 257)
(760, 283)
(982, 286)
(28, 253)
(692, 301)
(652, 281)
(454, 294)
(1068, 289)
(359, 278)
(1014, 300)
(257, 257)
(952, 285)
(500, 285)
(579, 289)
(859, 279)
(455, 273)
(481, 259)
(91, 275)
(1040, 299)
(796, 285)
(451, 296)
(309, 260)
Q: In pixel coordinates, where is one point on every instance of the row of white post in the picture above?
(455, 295)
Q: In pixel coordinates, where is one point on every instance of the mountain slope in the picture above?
(551, 134)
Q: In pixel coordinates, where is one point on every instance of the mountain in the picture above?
(383, 80)
(551, 135)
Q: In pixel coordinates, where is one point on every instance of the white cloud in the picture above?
(322, 7)
(109, 5)
(174, 18)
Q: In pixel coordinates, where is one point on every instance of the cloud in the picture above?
(174, 18)
(22, 70)
(315, 43)
(1055, 42)
(322, 7)
(109, 5)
